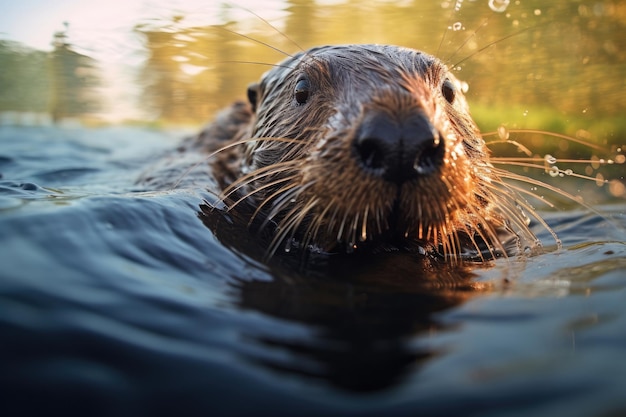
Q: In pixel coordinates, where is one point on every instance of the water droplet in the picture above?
(503, 133)
(568, 172)
(457, 26)
(525, 113)
(550, 159)
(537, 12)
(554, 171)
(288, 246)
(349, 248)
(499, 5)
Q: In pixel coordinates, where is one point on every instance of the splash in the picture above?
(499, 6)
(457, 26)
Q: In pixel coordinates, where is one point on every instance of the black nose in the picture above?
(399, 151)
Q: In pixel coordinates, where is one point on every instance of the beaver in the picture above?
(360, 149)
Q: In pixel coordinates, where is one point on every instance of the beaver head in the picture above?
(371, 146)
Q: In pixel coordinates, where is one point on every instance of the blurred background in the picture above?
(550, 66)
(177, 62)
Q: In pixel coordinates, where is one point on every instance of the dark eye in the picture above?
(448, 90)
(302, 91)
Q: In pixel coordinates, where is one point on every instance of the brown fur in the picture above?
(295, 163)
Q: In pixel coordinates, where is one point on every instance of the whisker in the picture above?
(292, 220)
(313, 228)
(284, 193)
(250, 38)
(486, 233)
(267, 64)
(364, 223)
(521, 191)
(224, 148)
(509, 160)
(341, 227)
(516, 144)
(554, 169)
(354, 228)
(287, 193)
(550, 134)
(472, 35)
(257, 190)
(532, 181)
(274, 28)
(531, 211)
(267, 171)
(558, 191)
(445, 32)
(490, 44)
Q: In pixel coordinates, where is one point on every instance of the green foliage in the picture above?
(24, 81)
(61, 82)
(555, 66)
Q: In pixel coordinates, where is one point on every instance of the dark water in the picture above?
(117, 300)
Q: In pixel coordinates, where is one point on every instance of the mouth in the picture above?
(394, 236)
(396, 217)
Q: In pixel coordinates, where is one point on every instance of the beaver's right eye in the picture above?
(302, 91)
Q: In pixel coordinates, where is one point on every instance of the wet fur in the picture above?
(294, 163)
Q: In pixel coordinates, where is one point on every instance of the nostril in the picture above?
(430, 157)
(371, 155)
(398, 151)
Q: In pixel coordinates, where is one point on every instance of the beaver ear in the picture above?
(253, 95)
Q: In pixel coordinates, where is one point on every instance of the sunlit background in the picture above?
(105, 47)
(555, 66)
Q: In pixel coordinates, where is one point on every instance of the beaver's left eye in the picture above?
(302, 91)
(448, 90)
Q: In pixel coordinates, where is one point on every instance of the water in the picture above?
(125, 297)
(117, 300)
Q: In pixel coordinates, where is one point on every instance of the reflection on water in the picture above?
(366, 311)
(364, 333)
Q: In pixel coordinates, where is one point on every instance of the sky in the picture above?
(34, 21)
(103, 22)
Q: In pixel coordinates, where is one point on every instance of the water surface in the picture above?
(117, 299)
